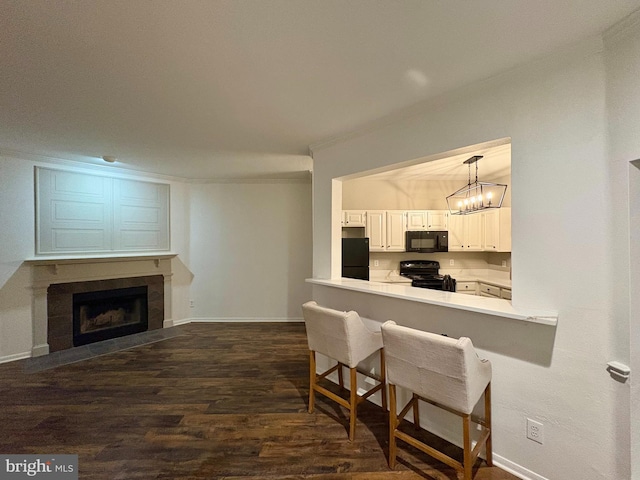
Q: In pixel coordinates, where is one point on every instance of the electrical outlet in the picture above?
(535, 431)
(451, 262)
(376, 263)
(191, 304)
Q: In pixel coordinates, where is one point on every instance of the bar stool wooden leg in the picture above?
(467, 463)
(340, 376)
(487, 419)
(383, 379)
(312, 380)
(353, 403)
(416, 412)
(393, 419)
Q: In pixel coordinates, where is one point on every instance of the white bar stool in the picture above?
(344, 337)
(444, 372)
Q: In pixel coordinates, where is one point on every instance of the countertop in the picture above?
(499, 279)
(402, 290)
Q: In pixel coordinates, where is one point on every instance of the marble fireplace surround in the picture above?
(47, 271)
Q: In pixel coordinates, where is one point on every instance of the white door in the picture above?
(417, 220)
(395, 231)
(437, 220)
(474, 232)
(376, 230)
(456, 233)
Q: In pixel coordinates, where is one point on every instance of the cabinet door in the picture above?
(417, 220)
(474, 232)
(491, 230)
(489, 290)
(456, 233)
(497, 230)
(376, 230)
(354, 218)
(438, 220)
(466, 287)
(395, 231)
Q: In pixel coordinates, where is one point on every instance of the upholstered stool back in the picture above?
(342, 336)
(444, 372)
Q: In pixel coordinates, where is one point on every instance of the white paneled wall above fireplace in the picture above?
(80, 213)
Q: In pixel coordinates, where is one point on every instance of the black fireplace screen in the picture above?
(108, 314)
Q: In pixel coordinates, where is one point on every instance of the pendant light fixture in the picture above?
(476, 196)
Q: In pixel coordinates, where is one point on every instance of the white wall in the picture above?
(623, 102)
(17, 243)
(243, 249)
(554, 111)
(251, 246)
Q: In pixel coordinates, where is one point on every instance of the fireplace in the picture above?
(79, 313)
(109, 314)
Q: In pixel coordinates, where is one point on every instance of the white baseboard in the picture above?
(515, 469)
(498, 460)
(14, 357)
(40, 350)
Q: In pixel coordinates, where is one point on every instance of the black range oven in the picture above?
(425, 274)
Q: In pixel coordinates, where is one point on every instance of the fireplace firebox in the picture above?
(105, 314)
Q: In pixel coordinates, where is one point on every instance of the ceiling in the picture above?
(216, 89)
(494, 164)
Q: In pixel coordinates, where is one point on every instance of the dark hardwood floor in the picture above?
(217, 401)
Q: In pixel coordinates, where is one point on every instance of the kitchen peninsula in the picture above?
(478, 304)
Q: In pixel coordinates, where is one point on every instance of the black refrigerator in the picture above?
(355, 258)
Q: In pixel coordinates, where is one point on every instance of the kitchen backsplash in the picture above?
(461, 261)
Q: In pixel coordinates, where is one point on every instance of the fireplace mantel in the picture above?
(48, 270)
(119, 257)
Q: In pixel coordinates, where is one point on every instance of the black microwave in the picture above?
(427, 242)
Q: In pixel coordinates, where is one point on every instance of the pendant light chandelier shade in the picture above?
(476, 196)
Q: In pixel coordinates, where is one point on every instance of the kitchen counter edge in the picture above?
(489, 306)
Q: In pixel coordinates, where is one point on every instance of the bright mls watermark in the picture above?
(51, 467)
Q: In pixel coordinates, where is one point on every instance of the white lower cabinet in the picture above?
(469, 288)
(487, 290)
(483, 289)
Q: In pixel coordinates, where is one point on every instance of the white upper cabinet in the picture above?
(497, 230)
(438, 220)
(417, 220)
(427, 220)
(354, 218)
(376, 230)
(385, 229)
(395, 231)
(466, 233)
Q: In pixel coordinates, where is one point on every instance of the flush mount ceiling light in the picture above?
(109, 158)
(476, 196)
